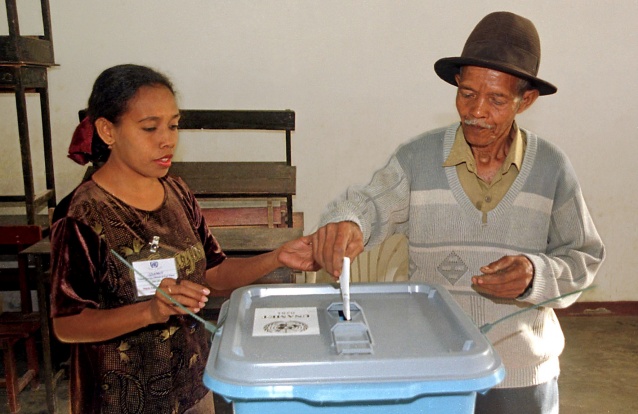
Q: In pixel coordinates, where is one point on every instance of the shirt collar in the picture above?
(462, 153)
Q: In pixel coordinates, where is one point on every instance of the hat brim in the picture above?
(448, 68)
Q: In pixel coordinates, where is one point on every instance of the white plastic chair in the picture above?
(387, 262)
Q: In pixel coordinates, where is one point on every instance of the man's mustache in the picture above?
(477, 122)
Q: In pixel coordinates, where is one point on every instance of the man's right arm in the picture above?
(363, 216)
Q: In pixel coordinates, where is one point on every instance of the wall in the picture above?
(359, 76)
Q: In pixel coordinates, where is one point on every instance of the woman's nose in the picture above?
(169, 138)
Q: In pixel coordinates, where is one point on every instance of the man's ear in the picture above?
(529, 97)
(104, 129)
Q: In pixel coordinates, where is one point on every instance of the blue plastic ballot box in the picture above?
(408, 348)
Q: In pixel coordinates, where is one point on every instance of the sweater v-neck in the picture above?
(511, 194)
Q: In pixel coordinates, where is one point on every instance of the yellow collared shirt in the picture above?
(486, 196)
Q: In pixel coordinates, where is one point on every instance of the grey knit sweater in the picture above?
(543, 216)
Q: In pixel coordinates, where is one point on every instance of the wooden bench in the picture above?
(247, 204)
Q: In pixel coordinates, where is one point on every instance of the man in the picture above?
(491, 211)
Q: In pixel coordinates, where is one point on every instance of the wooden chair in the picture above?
(231, 180)
(23, 325)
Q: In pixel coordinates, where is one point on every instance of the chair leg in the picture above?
(32, 362)
(11, 377)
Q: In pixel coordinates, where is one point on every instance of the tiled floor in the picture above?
(599, 369)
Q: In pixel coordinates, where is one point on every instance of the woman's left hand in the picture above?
(191, 295)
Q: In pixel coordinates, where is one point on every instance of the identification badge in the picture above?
(154, 271)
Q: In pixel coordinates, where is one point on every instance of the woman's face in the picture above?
(144, 139)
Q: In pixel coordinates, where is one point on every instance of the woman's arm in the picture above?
(95, 325)
(235, 272)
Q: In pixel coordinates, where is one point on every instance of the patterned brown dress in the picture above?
(157, 369)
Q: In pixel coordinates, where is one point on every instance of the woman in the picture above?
(131, 352)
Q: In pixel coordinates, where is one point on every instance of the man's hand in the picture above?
(507, 277)
(334, 241)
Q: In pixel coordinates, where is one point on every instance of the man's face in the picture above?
(487, 101)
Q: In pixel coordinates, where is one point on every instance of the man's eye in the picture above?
(149, 129)
(174, 127)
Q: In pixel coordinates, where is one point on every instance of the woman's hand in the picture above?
(297, 254)
(189, 294)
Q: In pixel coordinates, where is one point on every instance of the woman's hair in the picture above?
(111, 94)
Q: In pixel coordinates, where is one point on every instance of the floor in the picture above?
(599, 365)
(599, 369)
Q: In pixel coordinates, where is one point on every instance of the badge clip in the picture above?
(154, 244)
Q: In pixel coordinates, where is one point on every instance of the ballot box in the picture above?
(407, 348)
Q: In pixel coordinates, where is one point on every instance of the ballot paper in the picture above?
(344, 283)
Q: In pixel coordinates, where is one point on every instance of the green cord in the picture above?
(212, 328)
(485, 328)
(208, 325)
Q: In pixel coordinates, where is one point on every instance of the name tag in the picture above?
(154, 271)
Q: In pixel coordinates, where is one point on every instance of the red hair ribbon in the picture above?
(80, 148)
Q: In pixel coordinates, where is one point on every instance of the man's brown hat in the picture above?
(501, 41)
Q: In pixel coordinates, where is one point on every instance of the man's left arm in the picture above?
(574, 254)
